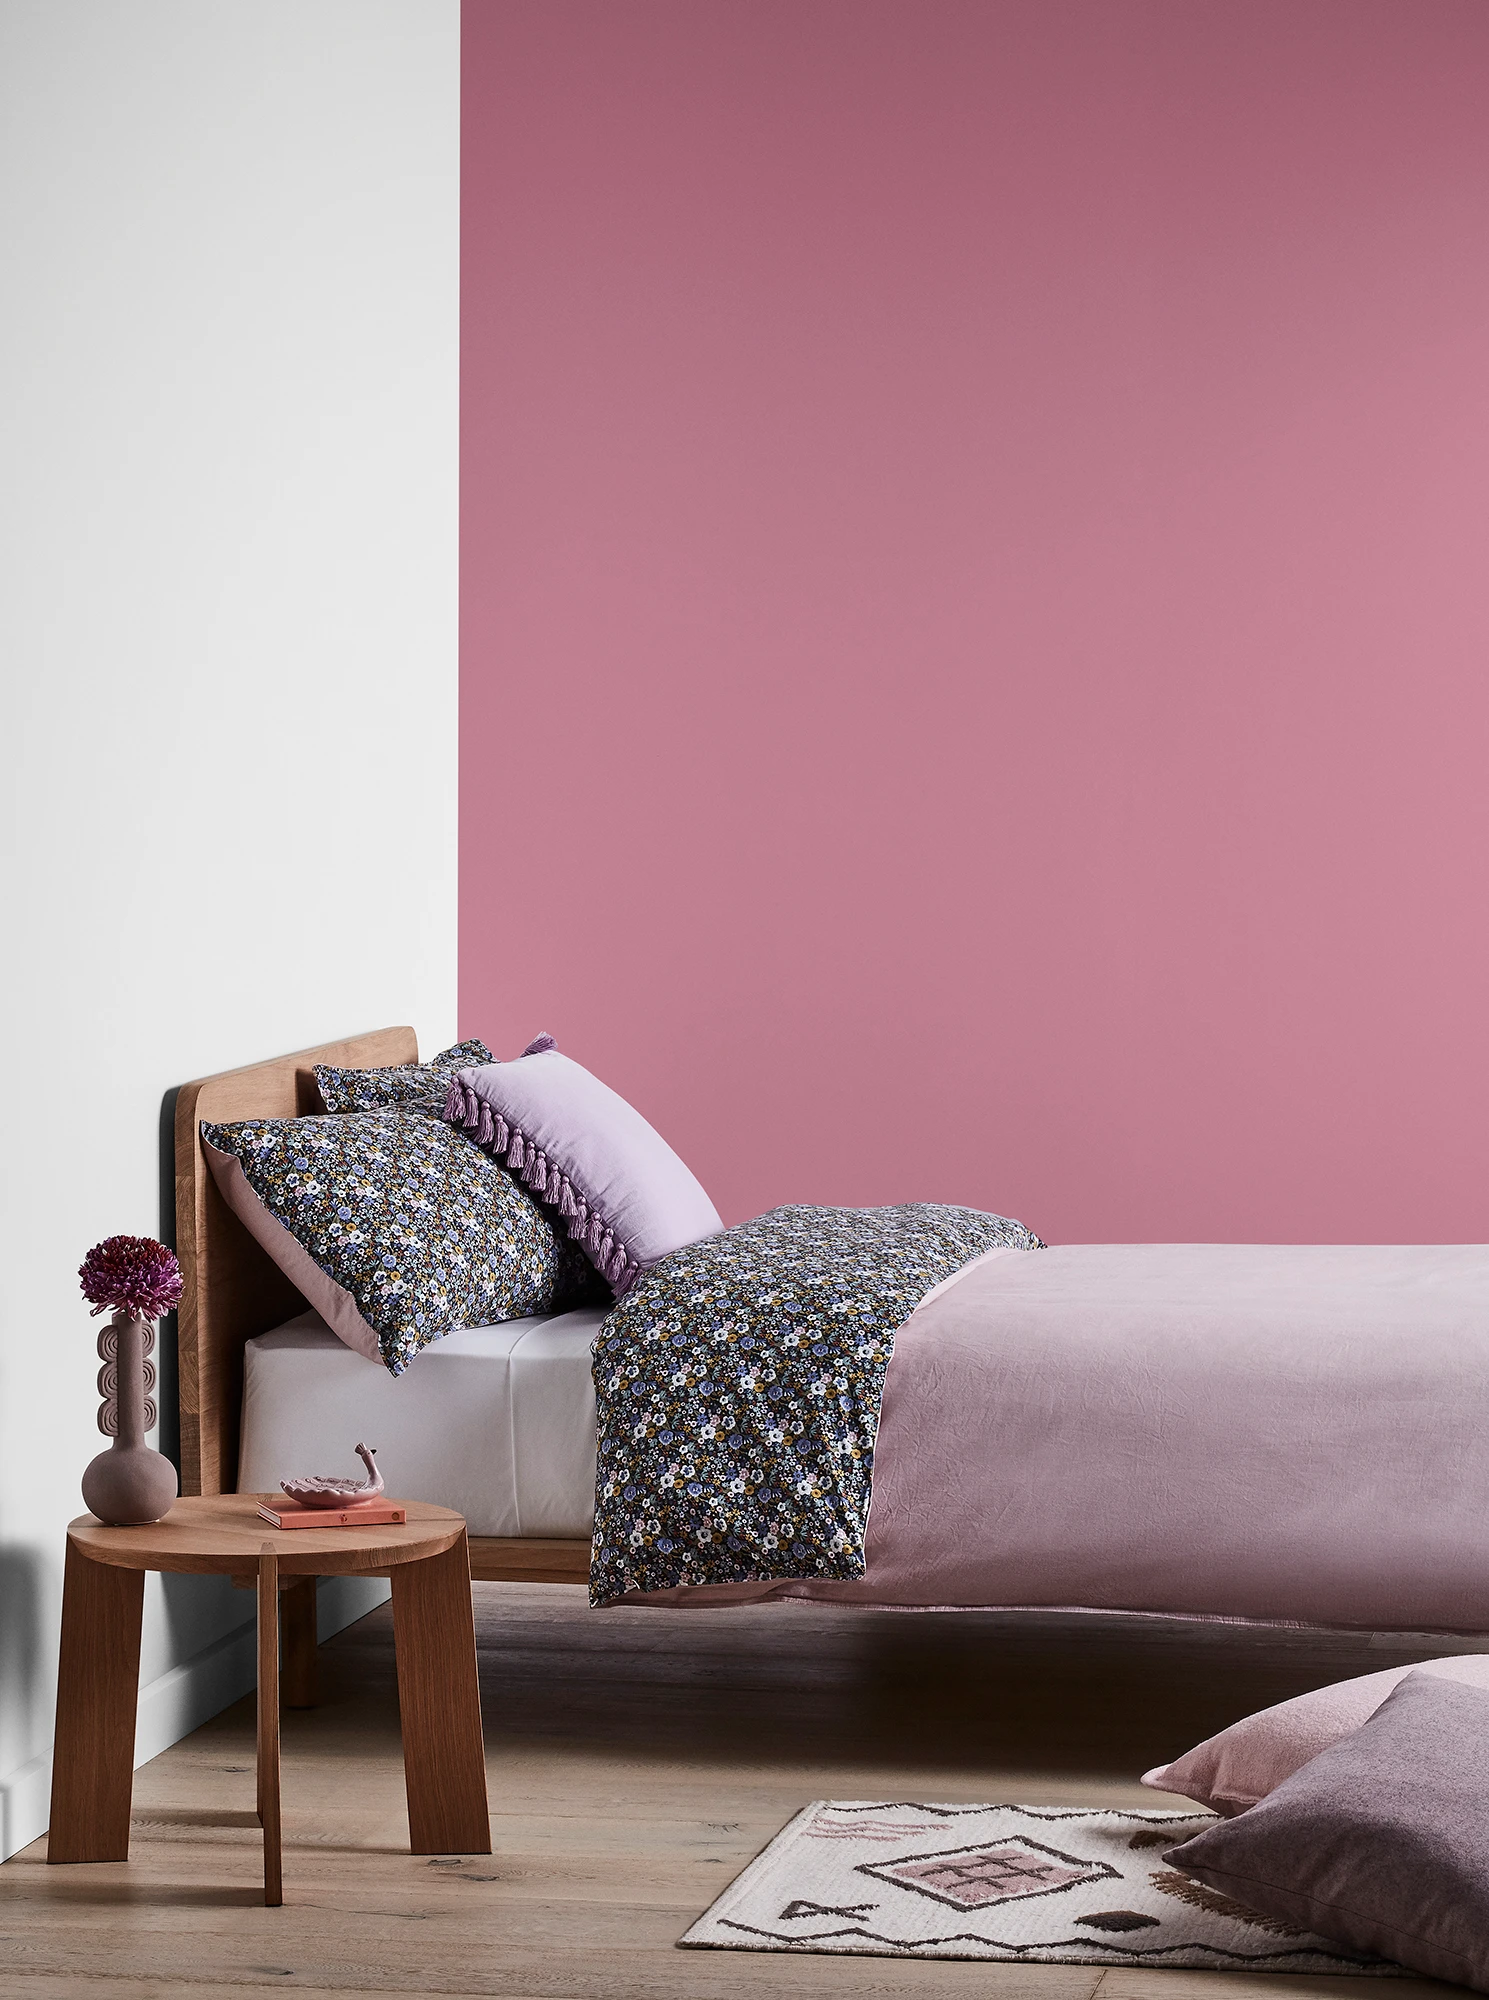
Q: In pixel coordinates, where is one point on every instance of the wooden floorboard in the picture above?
(635, 1761)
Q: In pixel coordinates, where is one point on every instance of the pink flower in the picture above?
(132, 1274)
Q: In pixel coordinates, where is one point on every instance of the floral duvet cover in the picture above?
(738, 1387)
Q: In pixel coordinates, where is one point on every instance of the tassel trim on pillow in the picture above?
(471, 1112)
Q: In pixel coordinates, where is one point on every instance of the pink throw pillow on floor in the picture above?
(1231, 1771)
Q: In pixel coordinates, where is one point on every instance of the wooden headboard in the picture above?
(232, 1290)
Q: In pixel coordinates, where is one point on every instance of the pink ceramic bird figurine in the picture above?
(320, 1490)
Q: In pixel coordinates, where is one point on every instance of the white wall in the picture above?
(228, 458)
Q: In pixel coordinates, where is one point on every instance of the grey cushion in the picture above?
(1380, 1842)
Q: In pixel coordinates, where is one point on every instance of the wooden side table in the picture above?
(98, 1684)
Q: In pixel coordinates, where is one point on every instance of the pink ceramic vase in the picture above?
(129, 1483)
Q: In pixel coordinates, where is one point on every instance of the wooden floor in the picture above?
(637, 1760)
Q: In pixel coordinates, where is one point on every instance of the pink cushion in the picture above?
(1231, 1771)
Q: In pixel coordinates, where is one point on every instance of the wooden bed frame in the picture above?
(233, 1291)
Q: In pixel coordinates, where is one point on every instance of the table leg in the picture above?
(268, 1724)
(297, 1621)
(98, 1687)
(439, 1704)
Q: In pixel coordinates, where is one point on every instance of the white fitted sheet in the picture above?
(495, 1421)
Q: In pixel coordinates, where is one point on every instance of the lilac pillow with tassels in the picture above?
(626, 1197)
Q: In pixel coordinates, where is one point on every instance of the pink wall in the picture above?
(976, 597)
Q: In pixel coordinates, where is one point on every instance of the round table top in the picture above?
(224, 1534)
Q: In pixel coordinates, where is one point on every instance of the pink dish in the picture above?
(323, 1490)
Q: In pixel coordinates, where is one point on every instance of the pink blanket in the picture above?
(1294, 1433)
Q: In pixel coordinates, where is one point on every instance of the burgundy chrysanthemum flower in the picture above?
(132, 1274)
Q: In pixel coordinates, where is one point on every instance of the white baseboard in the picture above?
(25, 1797)
(180, 1700)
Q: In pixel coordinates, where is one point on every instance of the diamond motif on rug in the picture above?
(974, 1878)
(1030, 1885)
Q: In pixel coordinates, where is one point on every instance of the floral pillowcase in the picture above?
(394, 1226)
(412, 1086)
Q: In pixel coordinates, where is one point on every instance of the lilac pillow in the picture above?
(623, 1193)
(1231, 1771)
(1380, 1843)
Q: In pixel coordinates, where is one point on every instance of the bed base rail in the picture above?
(518, 1559)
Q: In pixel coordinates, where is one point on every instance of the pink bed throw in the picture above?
(1295, 1433)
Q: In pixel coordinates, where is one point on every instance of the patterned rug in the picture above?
(1040, 1885)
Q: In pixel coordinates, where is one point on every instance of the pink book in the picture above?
(374, 1515)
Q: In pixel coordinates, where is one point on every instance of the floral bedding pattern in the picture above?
(413, 1086)
(738, 1386)
(422, 1229)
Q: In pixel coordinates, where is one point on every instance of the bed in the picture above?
(1294, 1434)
